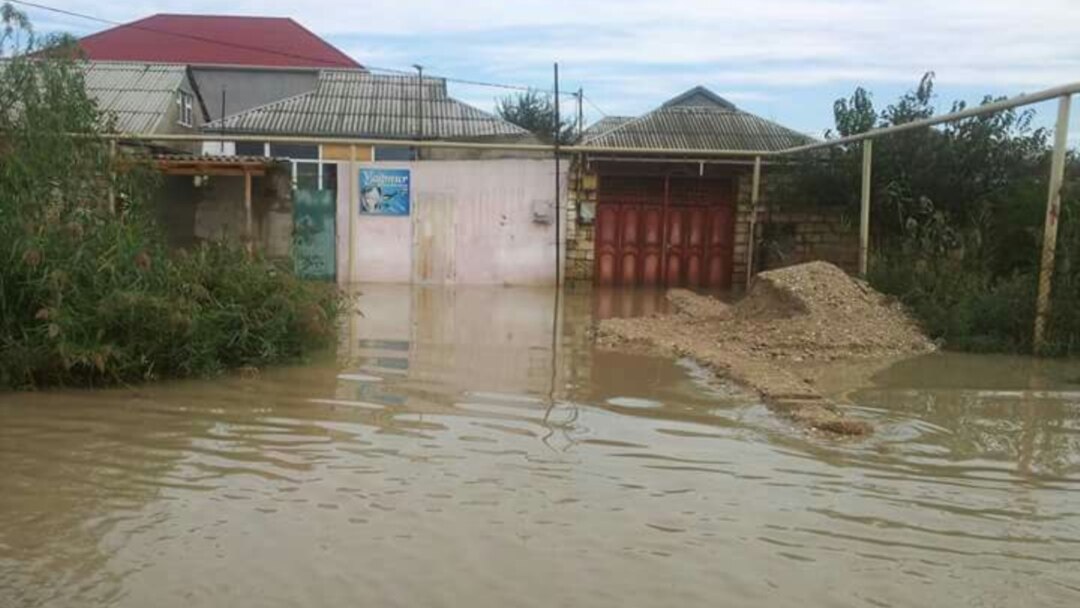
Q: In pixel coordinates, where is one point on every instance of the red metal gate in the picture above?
(671, 231)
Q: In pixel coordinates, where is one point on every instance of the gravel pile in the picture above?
(816, 310)
(807, 313)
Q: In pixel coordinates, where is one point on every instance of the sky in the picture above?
(786, 60)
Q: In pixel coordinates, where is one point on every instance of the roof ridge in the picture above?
(215, 16)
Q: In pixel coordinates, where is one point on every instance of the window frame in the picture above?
(185, 103)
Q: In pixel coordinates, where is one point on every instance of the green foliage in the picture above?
(91, 296)
(957, 218)
(535, 112)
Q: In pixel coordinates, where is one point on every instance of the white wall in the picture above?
(471, 223)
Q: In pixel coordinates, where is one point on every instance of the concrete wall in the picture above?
(247, 88)
(214, 210)
(175, 209)
(472, 222)
(219, 211)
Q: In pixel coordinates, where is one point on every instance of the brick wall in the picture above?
(580, 238)
(791, 233)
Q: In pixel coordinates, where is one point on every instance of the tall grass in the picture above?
(90, 295)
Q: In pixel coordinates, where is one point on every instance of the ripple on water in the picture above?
(464, 474)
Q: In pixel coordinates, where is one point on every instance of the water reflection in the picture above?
(1012, 410)
(468, 448)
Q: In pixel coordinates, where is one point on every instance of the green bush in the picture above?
(89, 294)
(957, 219)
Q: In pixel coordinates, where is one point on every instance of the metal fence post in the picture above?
(112, 176)
(354, 208)
(755, 195)
(1050, 230)
(864, 211)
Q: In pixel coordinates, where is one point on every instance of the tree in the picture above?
(956, 217)
(535, 112)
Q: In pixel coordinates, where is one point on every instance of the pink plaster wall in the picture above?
(471, 219)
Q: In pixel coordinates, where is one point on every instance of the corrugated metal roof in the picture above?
(137, 94)
(691, 122)
(351, 103)
(215, 40)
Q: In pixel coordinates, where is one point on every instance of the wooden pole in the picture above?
(1050, 230)
(354, 209)
(755, 196)
(248, 231)
(864, 211)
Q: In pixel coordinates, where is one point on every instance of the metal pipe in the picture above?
(755, 193)
(687, 161)
(249, 235)
(558, 185)
(112, 178)
(864, 208)
(1050, 231)
(364, 141)
(989, 108)
(353, 210)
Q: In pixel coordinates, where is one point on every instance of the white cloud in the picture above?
(639, 52)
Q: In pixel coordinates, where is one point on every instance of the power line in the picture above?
(260, 49)
(594, 106)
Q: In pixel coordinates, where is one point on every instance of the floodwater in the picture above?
(445, 457)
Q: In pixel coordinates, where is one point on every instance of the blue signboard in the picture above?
(384, 191)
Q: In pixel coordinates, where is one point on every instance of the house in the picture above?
(143, 97)
(388, 212)
(669, 218)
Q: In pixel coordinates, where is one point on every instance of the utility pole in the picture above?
(558, 187)
(419, 100)
(580, 112)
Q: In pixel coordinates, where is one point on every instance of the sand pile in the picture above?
(809, 312)
(817, 310)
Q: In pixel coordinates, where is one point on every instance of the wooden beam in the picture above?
(226, 172)
(1050, 230)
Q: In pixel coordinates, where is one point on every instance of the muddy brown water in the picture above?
(445, 458)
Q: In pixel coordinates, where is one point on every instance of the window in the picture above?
(294, 151)
(250, 148)
(185, 105)
(392, 153)
(329, 176)
(306, 175)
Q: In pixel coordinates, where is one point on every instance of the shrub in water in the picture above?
(89, 294)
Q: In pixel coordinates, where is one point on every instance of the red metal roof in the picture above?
(215, 40)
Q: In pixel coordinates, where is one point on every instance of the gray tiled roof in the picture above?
(351, 103)
(138, 94)
(697, 120)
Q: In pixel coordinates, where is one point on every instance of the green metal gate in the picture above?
(314, 224)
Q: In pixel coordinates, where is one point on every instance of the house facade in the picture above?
(668, 218)
(389, 213)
